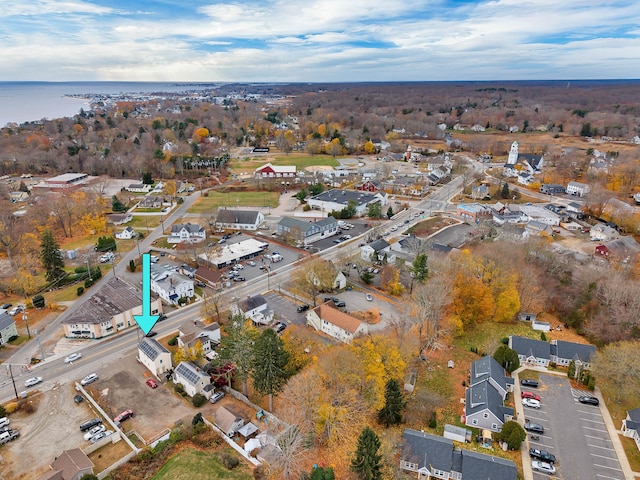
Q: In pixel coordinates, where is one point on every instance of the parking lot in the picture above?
(575, 433)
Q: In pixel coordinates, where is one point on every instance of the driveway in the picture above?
(573, 432)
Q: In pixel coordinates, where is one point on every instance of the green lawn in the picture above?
(192, 464)
(488, 335)
(300, 161)
(214, 200)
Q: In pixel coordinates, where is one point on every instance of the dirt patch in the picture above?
(371, 317)
(108, 455)
(44, 434)
(432, 225)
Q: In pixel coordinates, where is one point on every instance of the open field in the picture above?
(214, 200)
(194, 464)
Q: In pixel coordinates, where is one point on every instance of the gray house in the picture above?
(563, 352)
(531, 352)
(239, 219)
(307, 231)
(484, 398)
(430, 456)
(7, 328)
(192, 378)
(376, 251)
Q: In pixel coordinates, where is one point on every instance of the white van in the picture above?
(4, 421)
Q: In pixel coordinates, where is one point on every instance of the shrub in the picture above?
(513, 434)
(3, 411)
(89, 476)
(13, 337)
(87, 283)
(173, 341)
(11, 407)
(179, 389)
(229, 461)
(197, 400)
(79, 291)
(80, 270)
(132, 266)
(543, 337)
(432, 420)
(197, 418)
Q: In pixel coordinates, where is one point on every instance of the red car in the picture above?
(152, 383)
(526, 394)
(123, 416)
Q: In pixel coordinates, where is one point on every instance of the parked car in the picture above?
(280, 327)
(532, 395)
(152, 333)
(369, 297)
(89, 379)
(33, 381)
(216, 396)
(588, 400)
(94, 431)
(6, 306)
(542, 455)
(123, 416)
(533, 427)
(84, 426)
(238, 279)
(530, 402)
(152, 383)
(201, 284)
(101, 435)
(538, 466)
(303, 308)
(15, 310)
(251, 263)
(73, 357)
(162, 317)
(78, 398)
(527, 382)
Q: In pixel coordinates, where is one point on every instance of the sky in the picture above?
(318, 40)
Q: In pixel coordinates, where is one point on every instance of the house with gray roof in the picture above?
(192, 332)
(430, 456)
(7, 328)
(484, 398)
(239, 219)
(172, 287)
(631, 426)
(154, 356)
(187, 233)
(336, 200)
(256, 308)
(563, 352)
(193, 379)
(307, 231)
(376, 251)
(530, 351)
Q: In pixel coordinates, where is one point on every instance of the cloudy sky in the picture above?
(318, 40)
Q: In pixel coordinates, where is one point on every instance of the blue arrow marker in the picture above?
(146, 321)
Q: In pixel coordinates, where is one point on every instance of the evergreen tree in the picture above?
(147, 179)
(236, 347)
(389, 212)
(507, 357)
(419, 268)
(322, 473)
(366, 462)
(117, 205)
(505, 190)
(391, 413)
(571, 370)
(269, 364)
(51, 256)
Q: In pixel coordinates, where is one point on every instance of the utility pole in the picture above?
(25, 317)
(10, 372)
(89, 270)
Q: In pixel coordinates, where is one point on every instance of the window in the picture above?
(474, 421)
(486, 415)
(494, 426)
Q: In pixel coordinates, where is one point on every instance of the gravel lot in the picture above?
(52, 428)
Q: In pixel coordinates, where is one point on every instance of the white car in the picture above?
(89, 379)
(543, 467)
(369, 297)
(239, 266)
(251, 263)
(73, 357)
(394, 228)
(33, 381)
(94, 431)
(15, 310)
(101, 435)
(531, 402)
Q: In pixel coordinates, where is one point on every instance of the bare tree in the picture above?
(618, 365)
(430, 301)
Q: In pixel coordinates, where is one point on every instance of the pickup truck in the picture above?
(542, 455)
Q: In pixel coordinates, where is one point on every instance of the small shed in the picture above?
(457, 434)
(248, 430)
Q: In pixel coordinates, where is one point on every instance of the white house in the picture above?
(154, 356)
(138, 188)
(335, 323)
(377, 250)
(540, 214)
(7, 328)
(603, 233)
(255, 308)
(631, 425)
(172, 286)
(192, 378)
(192, 332)
(578, 189)
(187, 233)
(127, 234)
(239, 219)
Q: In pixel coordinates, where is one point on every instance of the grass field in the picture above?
(190, 464)
(214, 200)
(300, 161)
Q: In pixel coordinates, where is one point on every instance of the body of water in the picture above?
(31, 101)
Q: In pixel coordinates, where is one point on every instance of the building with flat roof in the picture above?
(235, 252)
(336, 200)
(66, 181)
